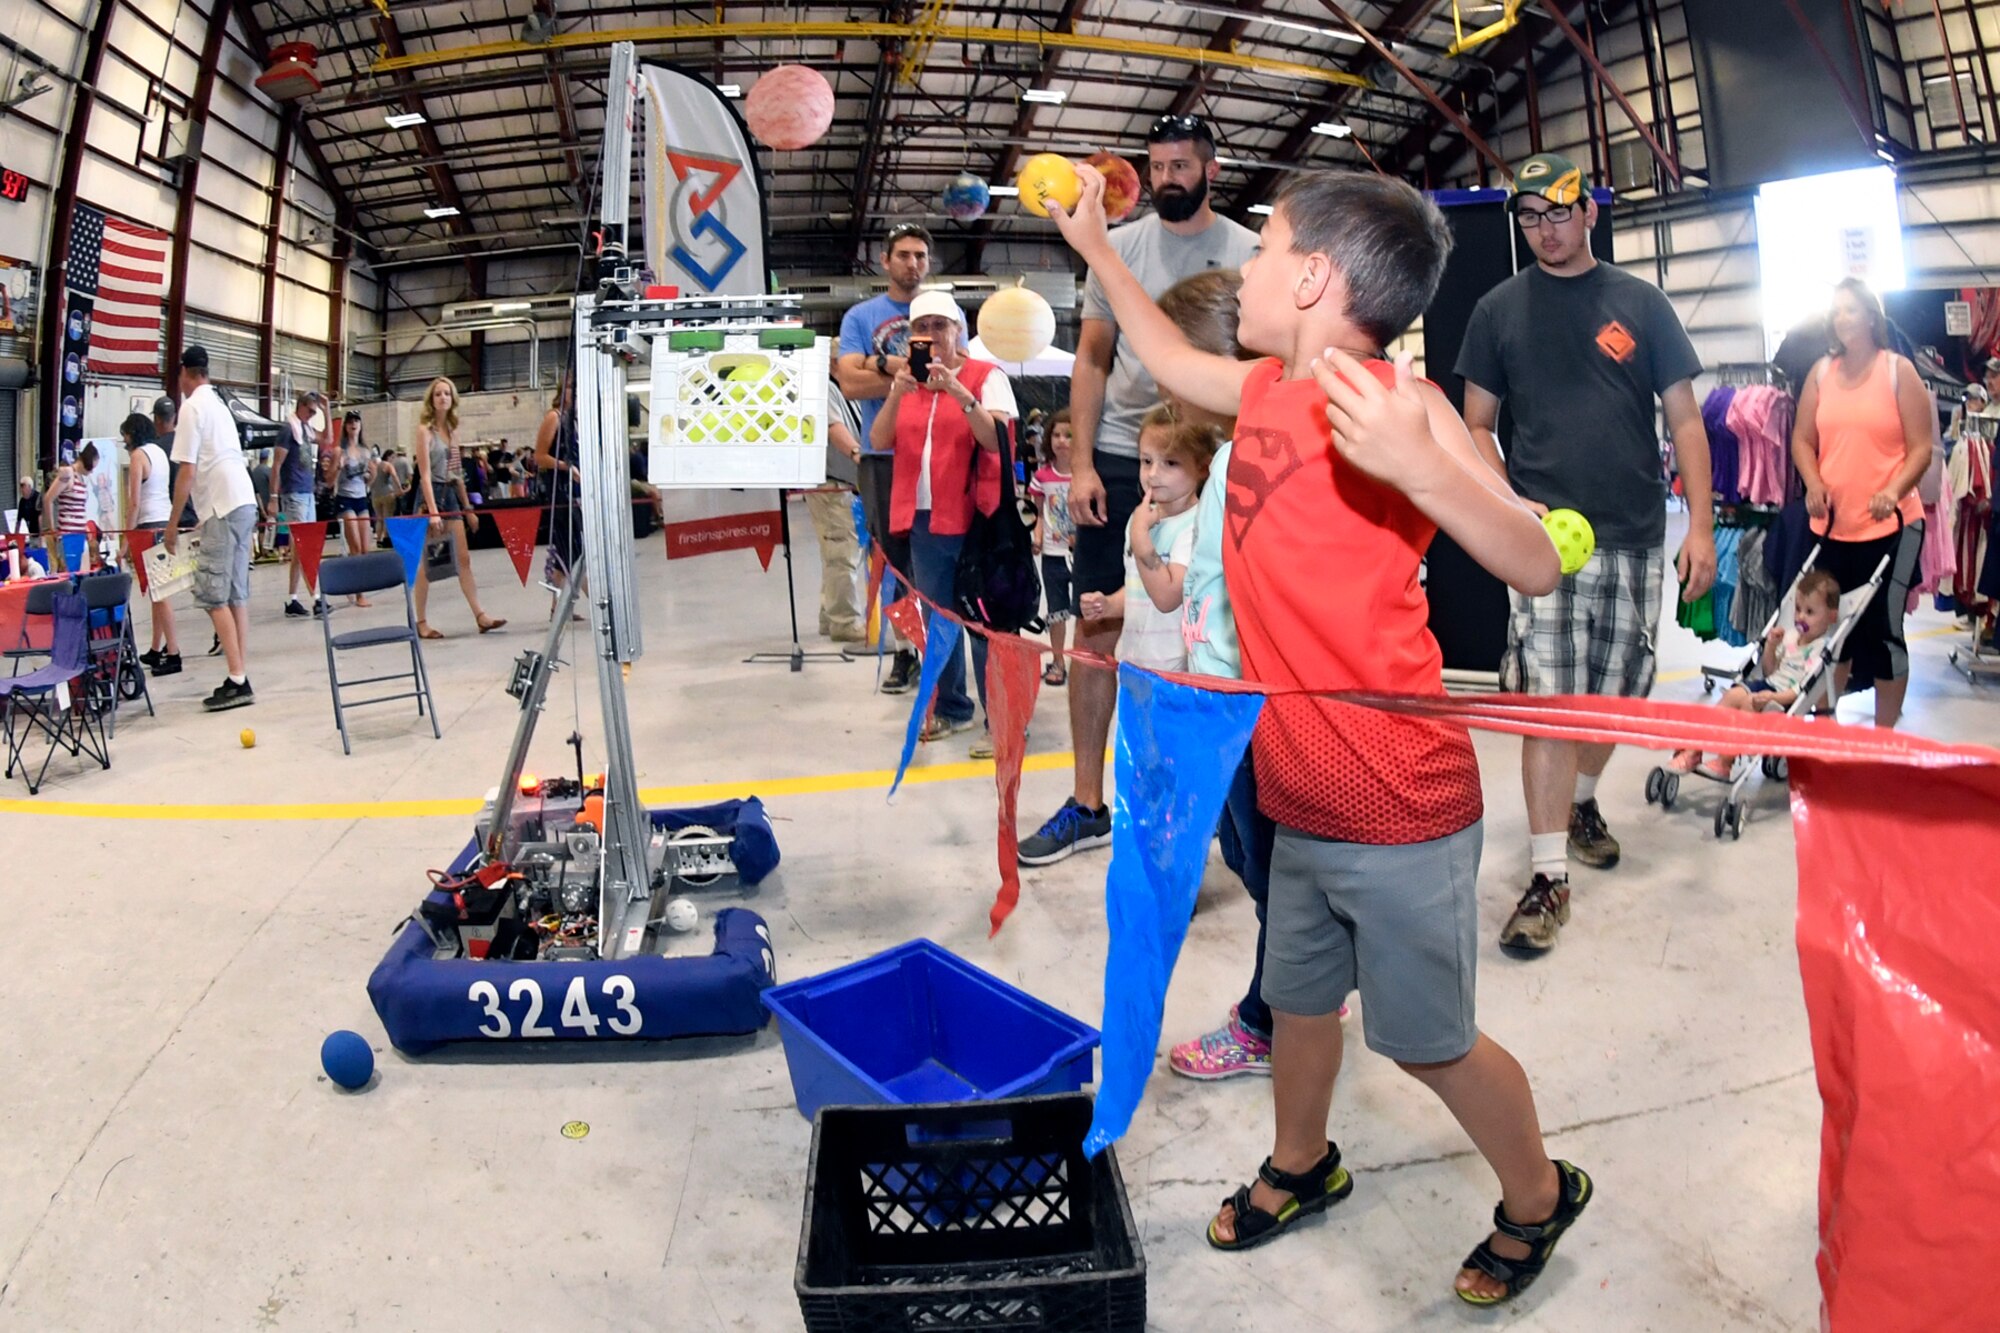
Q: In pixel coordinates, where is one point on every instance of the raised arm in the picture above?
(1203, 379)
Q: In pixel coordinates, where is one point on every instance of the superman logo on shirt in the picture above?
(1262, 460)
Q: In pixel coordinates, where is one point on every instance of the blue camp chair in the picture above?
(346, 576)
(52, 700)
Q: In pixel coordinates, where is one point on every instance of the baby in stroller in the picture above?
(1792, 655)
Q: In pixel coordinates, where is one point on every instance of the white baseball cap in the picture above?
(934, 302)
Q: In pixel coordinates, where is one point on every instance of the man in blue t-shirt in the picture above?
(874, 347)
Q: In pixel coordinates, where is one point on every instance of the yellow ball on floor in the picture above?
(248, 737)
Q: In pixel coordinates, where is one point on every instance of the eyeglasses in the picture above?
(1555, 217)
(1168, 128)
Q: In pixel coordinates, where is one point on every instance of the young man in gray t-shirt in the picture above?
(1109, 391)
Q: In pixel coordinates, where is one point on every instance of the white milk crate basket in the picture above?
(739, 408)
(170, 572)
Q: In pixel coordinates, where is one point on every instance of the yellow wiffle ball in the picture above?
(248, 737)
(1572, 534)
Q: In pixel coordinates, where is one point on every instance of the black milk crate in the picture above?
(980, 1215)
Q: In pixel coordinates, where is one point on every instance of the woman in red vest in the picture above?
(946, 433)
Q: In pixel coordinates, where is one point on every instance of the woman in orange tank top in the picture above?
(1862, 441)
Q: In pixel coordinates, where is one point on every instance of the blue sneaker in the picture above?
(1070, 830)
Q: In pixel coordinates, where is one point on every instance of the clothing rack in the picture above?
(1743, 373)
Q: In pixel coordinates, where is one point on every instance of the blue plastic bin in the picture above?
(920, 1024)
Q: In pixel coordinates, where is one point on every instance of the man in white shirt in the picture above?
(219, 482)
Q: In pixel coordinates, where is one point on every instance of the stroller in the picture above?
(1663, 785)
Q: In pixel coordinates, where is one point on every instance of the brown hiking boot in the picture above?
(1537, 920)
(1589, 840)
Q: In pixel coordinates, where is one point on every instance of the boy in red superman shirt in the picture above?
(1343, 469)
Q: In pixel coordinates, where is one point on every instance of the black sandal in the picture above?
(1517, 1275)
(1314, 1191)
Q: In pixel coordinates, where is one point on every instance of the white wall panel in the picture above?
(114, 135)
(228, 232)
(310, 267)
(224, 287)
(300, 311)
(144, 47)
(126, 192)
(234, 196)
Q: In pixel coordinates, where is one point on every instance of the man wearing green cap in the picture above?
(1580, 350)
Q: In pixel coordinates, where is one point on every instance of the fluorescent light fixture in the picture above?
(1261, 210)
(402, 120)
(446, 212)
(730, 89)
(1003, 191)
(1334, 129)
(503, 307)
(1317, 30)
(1046, 96)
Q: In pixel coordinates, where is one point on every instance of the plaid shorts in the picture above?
(1594, 634)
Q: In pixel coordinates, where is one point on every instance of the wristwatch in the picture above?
(881, 363)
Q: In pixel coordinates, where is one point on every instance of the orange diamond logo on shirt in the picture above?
(1615, 342)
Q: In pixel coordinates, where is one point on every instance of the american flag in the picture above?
(124, 267)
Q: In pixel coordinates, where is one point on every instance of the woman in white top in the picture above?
(440, 477)
(149, 499)
(351, 472)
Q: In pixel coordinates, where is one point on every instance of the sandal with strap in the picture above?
(1517, 1275)
(1314, 1191)
(424, 631)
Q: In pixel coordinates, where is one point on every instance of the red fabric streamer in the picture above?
(138, 542)
(906, 613)
(1899, 945)
(308, 546)
(517, 533)
(1013, 680)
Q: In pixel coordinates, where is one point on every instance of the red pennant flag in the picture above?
(1013, 681)
(308, 545)
(727, 532)
(517, 532)
(907, 615)
(138, 542)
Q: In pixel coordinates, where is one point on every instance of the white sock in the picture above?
(239, 680)
(1586, 787)
(1548, 854)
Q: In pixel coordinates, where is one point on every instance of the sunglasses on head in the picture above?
(1170, 128)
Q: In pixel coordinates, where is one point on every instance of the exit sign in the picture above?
(13, 185)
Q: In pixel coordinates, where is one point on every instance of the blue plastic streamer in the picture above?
(940, 642)
(407, 535)
(1178, 748)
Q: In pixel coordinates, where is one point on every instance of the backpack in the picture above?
(997, 584)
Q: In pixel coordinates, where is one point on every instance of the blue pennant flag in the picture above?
(1178, 748)
(940, 642)
(407, 535)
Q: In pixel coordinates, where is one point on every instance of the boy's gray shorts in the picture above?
(1399, 923)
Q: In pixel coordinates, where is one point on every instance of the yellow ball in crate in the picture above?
(762, 426)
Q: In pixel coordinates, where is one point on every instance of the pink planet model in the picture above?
(789, 107)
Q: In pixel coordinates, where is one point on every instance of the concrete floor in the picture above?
(176, 1160)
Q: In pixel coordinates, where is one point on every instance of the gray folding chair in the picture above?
(378, 571)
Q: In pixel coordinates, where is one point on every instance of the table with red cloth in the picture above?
(14, 615)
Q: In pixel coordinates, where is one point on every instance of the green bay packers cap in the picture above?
(1550, 175)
